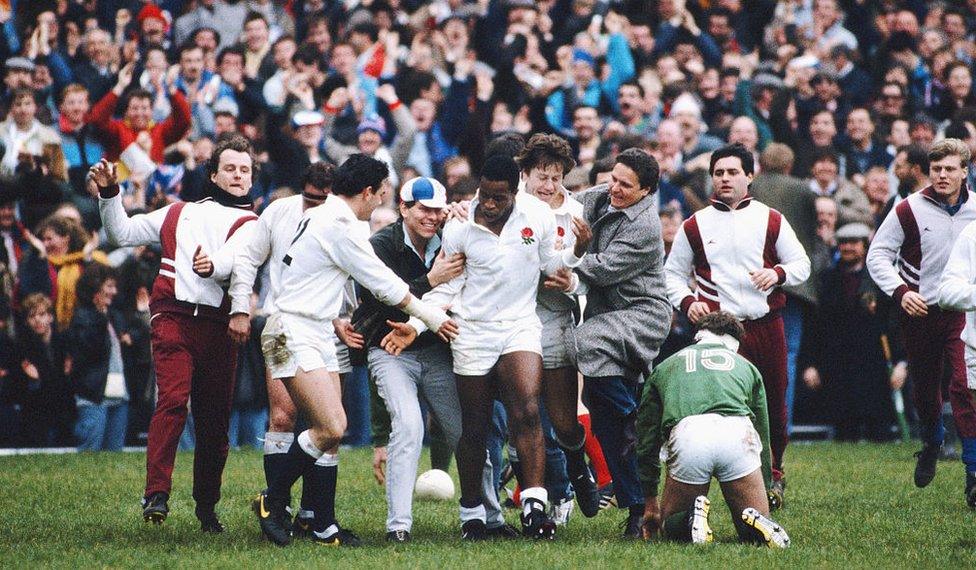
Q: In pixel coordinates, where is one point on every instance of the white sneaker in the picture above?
(561, 512)
(701, 531)
(768, 532)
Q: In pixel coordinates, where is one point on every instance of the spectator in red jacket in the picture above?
(119, 134)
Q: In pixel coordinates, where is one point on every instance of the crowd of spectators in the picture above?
(838, 99)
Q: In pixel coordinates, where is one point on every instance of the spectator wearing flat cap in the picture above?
(846, 342)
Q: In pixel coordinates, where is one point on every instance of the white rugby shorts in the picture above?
(707, 445)
(558, 338)
(290, 342)
(479, 344)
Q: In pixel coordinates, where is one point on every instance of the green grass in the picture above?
(848, 506)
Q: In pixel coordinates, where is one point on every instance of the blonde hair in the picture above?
(950, 147)
(36, 302)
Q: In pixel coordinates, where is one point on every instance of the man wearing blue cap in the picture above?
(411, 248)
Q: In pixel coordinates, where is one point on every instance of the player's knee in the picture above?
(524, 417)
(281, 420)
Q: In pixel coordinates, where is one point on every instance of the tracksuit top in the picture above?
(957, 287)
(719, 246)
(912, 246)
(179, 228)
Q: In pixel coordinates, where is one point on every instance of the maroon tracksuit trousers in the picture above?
(196, 361)
(764, 345)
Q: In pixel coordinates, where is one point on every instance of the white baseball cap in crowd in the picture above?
(427, 191)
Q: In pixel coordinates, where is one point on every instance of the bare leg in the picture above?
(676, 500)
(519, 379)
(560, 388)
(477, 397)
(748, 491)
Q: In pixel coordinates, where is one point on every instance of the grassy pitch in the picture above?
(850, 506)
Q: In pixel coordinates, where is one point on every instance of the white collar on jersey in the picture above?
(704, 336)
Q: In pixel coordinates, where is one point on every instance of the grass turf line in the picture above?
(848, 506)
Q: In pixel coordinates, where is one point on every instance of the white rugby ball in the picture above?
(434, 485)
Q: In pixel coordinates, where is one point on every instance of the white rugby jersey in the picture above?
(718, 247)
(331, 245)
(269, 241)
(912, 245)
(565, 239)
(179, 228)
(501, 272)
(957, 287)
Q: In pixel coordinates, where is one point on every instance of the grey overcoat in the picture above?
(627, 314)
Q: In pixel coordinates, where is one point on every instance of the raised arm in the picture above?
(122, 230)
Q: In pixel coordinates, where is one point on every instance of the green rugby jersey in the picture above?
(705, 378)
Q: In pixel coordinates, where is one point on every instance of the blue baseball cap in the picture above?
(427, 191)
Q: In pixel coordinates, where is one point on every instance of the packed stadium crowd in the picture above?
(183, 185)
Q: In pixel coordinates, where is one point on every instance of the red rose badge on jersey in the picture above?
(527, 236)
(560, 231)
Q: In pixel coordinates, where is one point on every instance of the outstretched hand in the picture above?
(399, 338)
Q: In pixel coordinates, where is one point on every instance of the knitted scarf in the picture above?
(69, 267)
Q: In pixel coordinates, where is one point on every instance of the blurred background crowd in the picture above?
(838, 99)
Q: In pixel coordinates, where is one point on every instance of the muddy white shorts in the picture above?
(290, 342)
(558, 338)
(480, 343)
(707, 445)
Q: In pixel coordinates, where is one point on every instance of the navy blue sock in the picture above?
(969, 453)
(320, 489)
(296, 463)
(934, 434)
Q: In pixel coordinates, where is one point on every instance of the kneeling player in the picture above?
(708, 405)
(331, 244)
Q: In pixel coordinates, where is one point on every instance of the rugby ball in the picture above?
(434, 485)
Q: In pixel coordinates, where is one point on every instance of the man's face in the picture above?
(826, 212)
(859, 126)
(319, 35)
(369, 142)
(892, 100)
(424, 112)
(625, 189)
(153, 31)
(309, 136)
(729, 180)
(728, 85)
(343, 59)
(719, 28)
(313, 196)
(923, 134)
(744, 132)
(669, 138)
(669, 227)
(97, 47)
(224, 123)
(455, 172)
(15, 78)
(232, 65)
(824, 172)
(283, 50)
(375, 197)
(947, 175)
(899, 137)
(582, 73)
(156, 62)
(852, 251)
(631, 103)
(825, 11)
(545, 182)
(191, 64)
(586, 123)
(495, 199)
(708, 85)
(234, 173)
(902, 169)
(822, 129)
(139, 113)
(256, 34)
(421, 220)
(206, 40)
(955, 27)
(75, 106)
(876, 186)
(7, 216)
(960, 81)
(23, 110)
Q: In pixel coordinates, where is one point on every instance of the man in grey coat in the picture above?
(627, 314)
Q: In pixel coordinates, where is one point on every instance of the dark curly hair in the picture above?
(544, 150)
(722, 322)
(91, 280)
